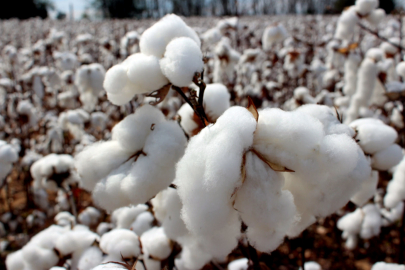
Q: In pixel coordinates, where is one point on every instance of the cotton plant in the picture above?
(174, 58)
(273, 34)
(126, 176)
(129, 44)
(74, 121)
(225, 61)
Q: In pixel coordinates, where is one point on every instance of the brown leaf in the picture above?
(274, 167)
(353, 46)
(252, 109)
(159, 94)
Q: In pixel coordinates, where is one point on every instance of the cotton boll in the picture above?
(207, 176)
(372, 222)
(92, 164)
(15, 261)
(396, 187)
(346, 24)
(392, 215)
(216, 100)
(273, 34)
(120, 242)
(387, 158)
(187, 119)
(311, 266)
(156, 244)
(89, 216)
(123, 217)
(401, 69)
(103, 228)
(144, 71)
(376, 16)
(351, 225)
(167, 206)
(387, 266)
(155, 39)
(239, 264)
(181, 61)
(116, 79)
(142, 223)
(364, 7)
(90, 258)
(266, 209)
(367, 190)
(132, 132)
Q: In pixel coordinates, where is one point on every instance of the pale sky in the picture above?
(63, 5)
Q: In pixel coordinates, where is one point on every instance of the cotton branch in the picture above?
(375, 33)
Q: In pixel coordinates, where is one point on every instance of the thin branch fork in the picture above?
(375, 33)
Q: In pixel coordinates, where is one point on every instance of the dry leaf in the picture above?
(252, 109)
(159, 94)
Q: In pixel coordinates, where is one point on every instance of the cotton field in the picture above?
(203, 143)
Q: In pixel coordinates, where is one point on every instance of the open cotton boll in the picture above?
(15, 261)
(346, 24)
(38, 257)
(123, 217)
(120, 242)
(192, 256)
(376, 16)
(367, 190)
(373, 135)
(311, 266)
(156, 38)
(144, 71)
(65, 219)
(142, 223)
(156, 244)
(132, 132)
(90, 77)
(167, 206)
(364, 7)
(401, 69)
(239, 264)
(110, 266)
(89, 216)
(181, 61)
(187, 119)
(372, 222)
(207, 176)
(265, 208)
(273, 34)
(387, 266)
(393, 215)
(216, 100)
(90, 258)
(351, 224)
(350, 74)
(396, 187)
(116, 79)
(97, 160)
(389, 157)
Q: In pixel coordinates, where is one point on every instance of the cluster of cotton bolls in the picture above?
(171, 186)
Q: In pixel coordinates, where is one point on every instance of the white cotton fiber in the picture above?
(156, 244)
(181, 61)
(155, 39)
(123, 217)
(264, 207)
(144, 71)
(187, 119)
(311, 266)
(364, 7)
(367, 190)
(351, 224)
(239, 264)
(89, 216)
(386, 159)
(115, 79)
(396, 187)
(387, 266)
(273, 34)
(401, 69)
(90, 258)
(207, 177)
(372, 222)
(142, 223)
(120, 242)
(216, 100)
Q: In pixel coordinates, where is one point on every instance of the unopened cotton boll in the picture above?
(207, 176)
(156, 38)
(181, 61)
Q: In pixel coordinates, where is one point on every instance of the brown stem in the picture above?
(401, 239)
(375, 33)
(253, 258)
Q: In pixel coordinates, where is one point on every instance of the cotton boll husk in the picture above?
(155, 39)
(154, 172)
(144, 71)
(366, 6)
(387, 266)
(373, 135)
(156, 244)
(123, 217)
(187, 122)
(239, 264)
(182, 59)
(216, 100)
(92, 163)
(120, 241)
(90, 258)
(142, 223)
(372, 222)
(387, 158)
(367, 190)
(266, 209)
(167, 206)
(107, 193)
(207, 176)
(132, 132)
